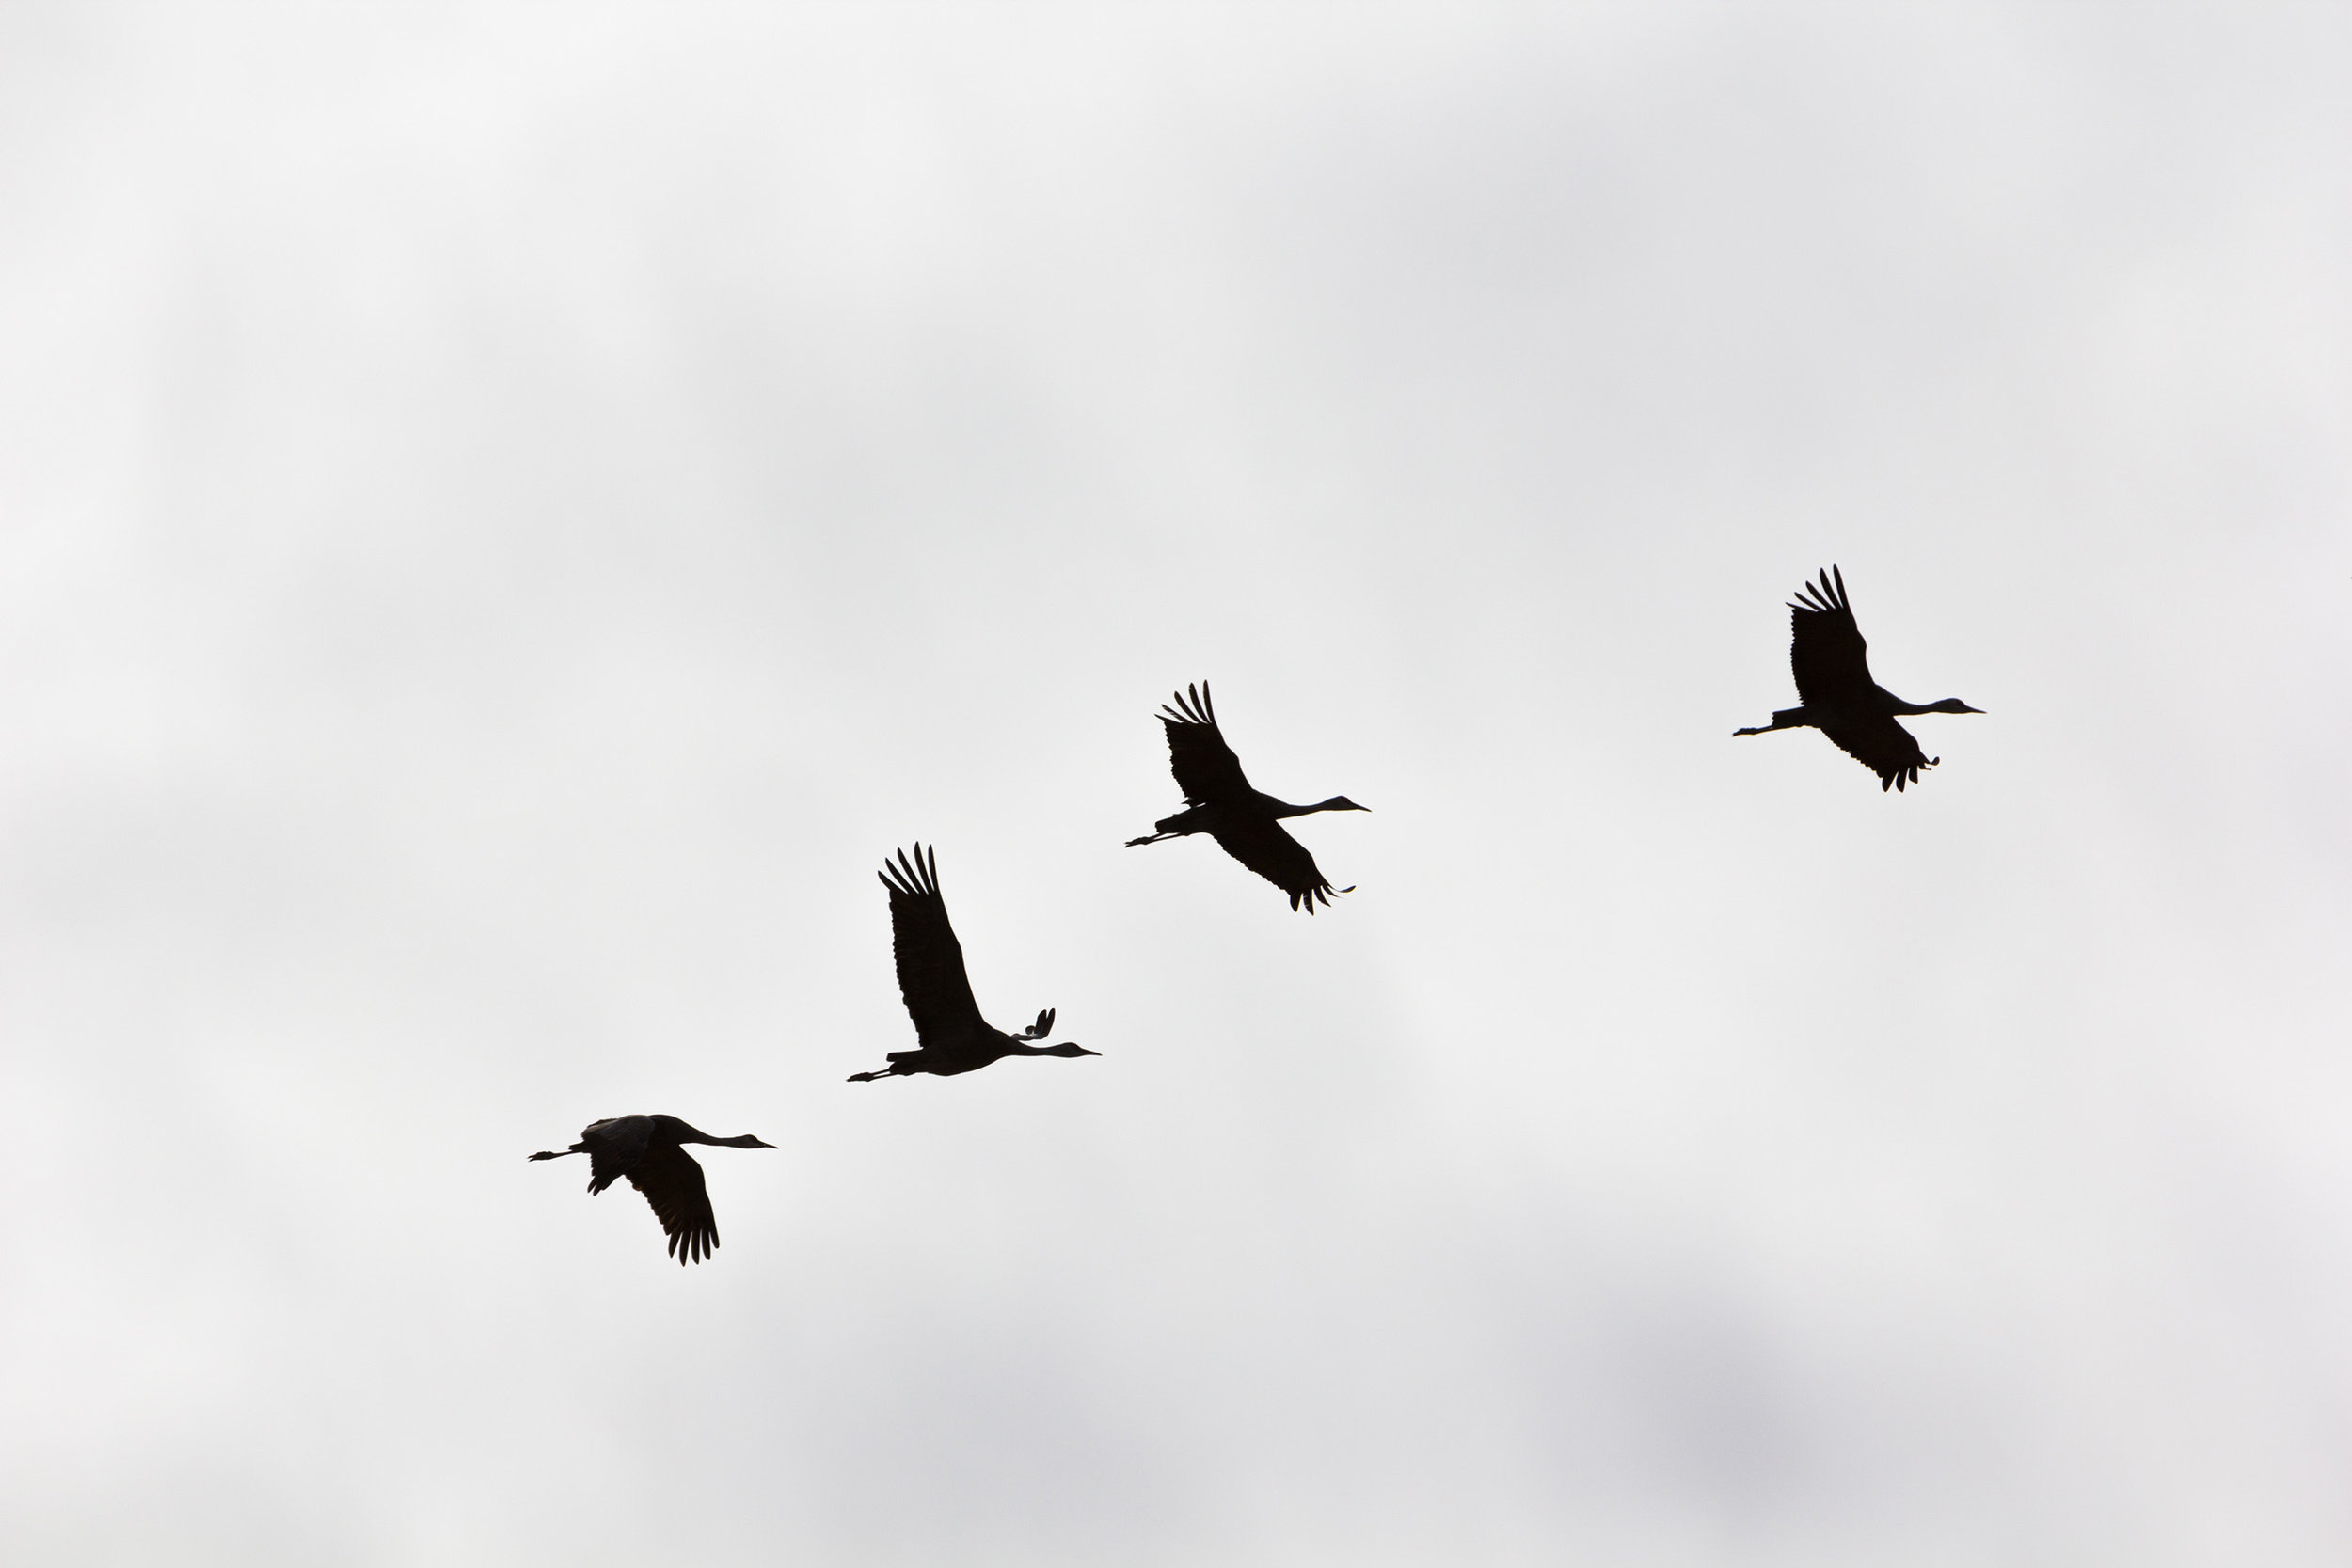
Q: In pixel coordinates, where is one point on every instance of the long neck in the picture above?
(696, 1135)
(1949, 705)
(1283, 808)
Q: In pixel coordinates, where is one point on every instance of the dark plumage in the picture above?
(952, 1034)
(645, 1149)
(1833, 669)
(1218, 802)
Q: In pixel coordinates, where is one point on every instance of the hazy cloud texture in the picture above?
(509, 512)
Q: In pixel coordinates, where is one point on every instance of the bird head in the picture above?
(1341, 802)
(1068, 1048)
(1952, 705)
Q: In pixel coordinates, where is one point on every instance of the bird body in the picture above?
(646, 1150)
(1831, 662)
(952, 1038)
(1257, 805)
(1220, 802)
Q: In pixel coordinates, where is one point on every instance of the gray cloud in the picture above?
(511, 513)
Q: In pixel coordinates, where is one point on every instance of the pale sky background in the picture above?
(508, 512)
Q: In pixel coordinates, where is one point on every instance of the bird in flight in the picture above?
(951, 1035)
(1218, 802)
(645, 1149)
(1837, 696)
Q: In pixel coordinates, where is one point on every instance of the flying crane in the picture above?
(1833, 669)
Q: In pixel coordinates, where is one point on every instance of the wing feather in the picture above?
(1206, 768)
(1884, 747)
(1826, 652)
(1265, 848)
(671, 1180)
(932, 976)
(614, 1146)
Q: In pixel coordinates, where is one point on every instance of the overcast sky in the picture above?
(508, 512)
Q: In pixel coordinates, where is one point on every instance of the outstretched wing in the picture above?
(671, 1180)
(930, 960)
(1265, 847)
(1884, 747)
(1206, 768)
(1826, 652)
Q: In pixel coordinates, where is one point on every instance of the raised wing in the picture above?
(1206, 768)
(1266, 848)
(932, 978)
(1884, 747)
(1826, 652)
(671, 1180)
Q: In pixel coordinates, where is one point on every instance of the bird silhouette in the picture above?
(645, 1149)
(1218, 802)
(953, 1036)
(1832, 670)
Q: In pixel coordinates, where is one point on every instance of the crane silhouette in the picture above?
(645, 1149)
(953, 1036)
(1218, 802)
(1837, 696)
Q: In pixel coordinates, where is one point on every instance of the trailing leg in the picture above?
(1785, 718)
